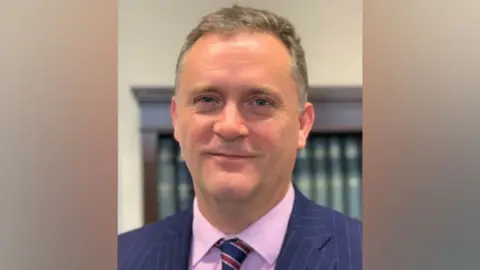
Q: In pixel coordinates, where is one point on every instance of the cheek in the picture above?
(275, 133)
(269, 140)
(279, 142)
(195, 132)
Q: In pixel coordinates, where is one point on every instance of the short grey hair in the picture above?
(228, 21)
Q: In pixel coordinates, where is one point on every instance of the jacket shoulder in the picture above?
(346, 239)
(338, 222)
(342, 226)
(138, 243)
(344, 244)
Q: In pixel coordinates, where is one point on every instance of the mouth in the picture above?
(231, 156)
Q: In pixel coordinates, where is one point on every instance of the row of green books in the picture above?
(327, 170)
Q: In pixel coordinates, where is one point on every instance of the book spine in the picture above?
(352, 152)
(166, 178)
(337, 185)
(184, 184)
(320, 171)
(302, 173)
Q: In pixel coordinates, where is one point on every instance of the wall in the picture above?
(152, 32)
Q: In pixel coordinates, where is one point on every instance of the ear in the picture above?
(307, 118)
(173, 115)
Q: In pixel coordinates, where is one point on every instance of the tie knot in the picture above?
(234, 252)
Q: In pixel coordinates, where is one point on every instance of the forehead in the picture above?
(240, 58)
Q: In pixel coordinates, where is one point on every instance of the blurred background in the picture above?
(153, 179)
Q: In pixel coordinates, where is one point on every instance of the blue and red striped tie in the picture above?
(234, 253)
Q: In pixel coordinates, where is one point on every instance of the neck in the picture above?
(233, 217)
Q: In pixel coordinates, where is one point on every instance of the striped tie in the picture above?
(234, 252)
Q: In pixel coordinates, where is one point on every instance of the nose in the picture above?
(231, 124)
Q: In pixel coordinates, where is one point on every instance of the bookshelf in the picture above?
(338, 112)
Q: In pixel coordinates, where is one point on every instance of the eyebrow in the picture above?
(203, 89)
(263, 90)
(248, 89)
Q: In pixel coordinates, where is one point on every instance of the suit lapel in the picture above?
(304, 247)
(307, 235)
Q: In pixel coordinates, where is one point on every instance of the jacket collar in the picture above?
(308, 232)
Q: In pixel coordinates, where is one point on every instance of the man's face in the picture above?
(236, 116)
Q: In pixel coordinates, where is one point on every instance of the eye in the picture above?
(261, 102)
(207, 103)
(205, 99)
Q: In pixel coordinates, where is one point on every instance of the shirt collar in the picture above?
(204, 235)
(265, 236)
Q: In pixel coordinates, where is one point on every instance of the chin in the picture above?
(233, 187)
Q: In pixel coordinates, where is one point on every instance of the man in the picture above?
(240, 114)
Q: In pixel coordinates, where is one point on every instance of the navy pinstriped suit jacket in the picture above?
(316, 238)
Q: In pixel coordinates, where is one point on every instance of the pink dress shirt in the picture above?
(265, 236)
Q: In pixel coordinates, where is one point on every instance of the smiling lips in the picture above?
(223, 156)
